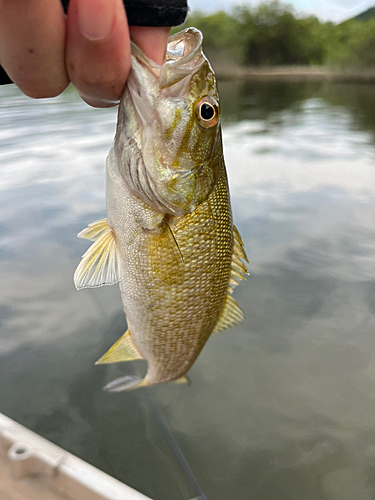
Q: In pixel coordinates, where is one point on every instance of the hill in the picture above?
(366, 15)
(270, 34)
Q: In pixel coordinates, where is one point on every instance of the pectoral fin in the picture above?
(99, 265)
(122, 350)
(232, 315)
(94, 230)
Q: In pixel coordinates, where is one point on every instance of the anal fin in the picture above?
(99, 265)
(122, 350)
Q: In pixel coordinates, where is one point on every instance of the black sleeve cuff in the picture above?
(4, 78)
(152, 12)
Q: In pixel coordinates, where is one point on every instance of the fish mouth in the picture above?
(149, 83)
(184, 57)
(184, 47)
(153, 91)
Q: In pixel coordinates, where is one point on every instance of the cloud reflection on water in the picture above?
(282, 406)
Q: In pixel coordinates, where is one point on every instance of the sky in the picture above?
(326, 10)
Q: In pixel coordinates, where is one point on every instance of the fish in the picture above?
(168, 239)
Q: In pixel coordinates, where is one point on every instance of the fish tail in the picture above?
(130, 382)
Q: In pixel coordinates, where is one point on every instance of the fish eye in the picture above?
(208, 112)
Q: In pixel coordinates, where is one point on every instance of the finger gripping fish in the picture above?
(169, 239)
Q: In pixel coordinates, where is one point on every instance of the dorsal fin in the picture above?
(99, 265)
(239, 270)
(232, 315)
(122, 350)
(239, 247)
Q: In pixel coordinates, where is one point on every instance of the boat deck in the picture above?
(32, 468)
(28, 488)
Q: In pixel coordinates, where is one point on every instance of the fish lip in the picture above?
(184, 57)
(176, 53)
(192, 40)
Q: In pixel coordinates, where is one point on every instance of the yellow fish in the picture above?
(169, 239)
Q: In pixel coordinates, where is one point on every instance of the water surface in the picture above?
(282, 406)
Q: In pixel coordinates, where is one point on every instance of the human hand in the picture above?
(42, 50)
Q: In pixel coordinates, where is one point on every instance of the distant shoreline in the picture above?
(296, 73)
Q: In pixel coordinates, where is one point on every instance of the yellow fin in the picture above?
(94, 230)
(131, 382)
(183, 380)
(239, 269)
(99, 265)
(239, 247)
(122, 350)
(165, 256)
(126, 383)
(232, 315)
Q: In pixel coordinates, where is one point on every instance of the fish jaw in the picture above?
(166, 156)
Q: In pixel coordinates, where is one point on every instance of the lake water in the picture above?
(282, 406)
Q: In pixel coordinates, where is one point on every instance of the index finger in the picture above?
(98, 50)
(153, 41)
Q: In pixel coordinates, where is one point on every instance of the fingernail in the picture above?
(96, 18)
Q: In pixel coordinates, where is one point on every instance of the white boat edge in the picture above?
(29, 455)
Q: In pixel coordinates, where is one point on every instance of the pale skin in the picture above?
(43, 50)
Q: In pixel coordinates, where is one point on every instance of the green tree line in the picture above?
(272, 34)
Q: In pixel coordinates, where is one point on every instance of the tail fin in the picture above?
(129, 382)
